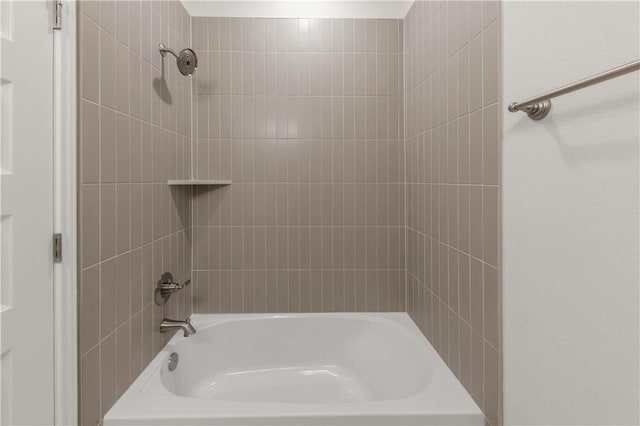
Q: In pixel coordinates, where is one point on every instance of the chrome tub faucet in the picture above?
(168, 325)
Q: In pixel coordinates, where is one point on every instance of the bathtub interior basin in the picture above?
(297, 369)
(299, 359)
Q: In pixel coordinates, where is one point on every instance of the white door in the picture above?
(26, 205)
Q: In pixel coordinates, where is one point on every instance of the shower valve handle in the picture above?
(166, 287)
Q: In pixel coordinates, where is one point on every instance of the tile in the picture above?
(475, 74)
(135, 27)
(490, 64)
(225, 34)
(136, 156)
(90, 224)
(464, 285)
(123, 148)
(475, 147)
(453, 281)
(123, 358)
(452, 88)
(259, 35)
(370, 35)
(107, 221)
(489, 11)
(91, 10)
(492, 385)
(359, 35)
(122, 287)
(463, 150)
(134, 83)
(89, 308)
(477, 369)
(463, 80)
(201, 32)
(325, 36)
(465, 355)
(107, 297)
(147, 326)
(464, 233)
(136, 281)
(491, 146)
(107, 69)
(108, 164)
(292, 35)
(90, 413)
(475, 18)
(108, 390)
(145, 31)
(145, 91)
(491, 302)
(136, 349)
(476, 295)
(122, 21)
(89, 59)
(490, 225)
(107, 16)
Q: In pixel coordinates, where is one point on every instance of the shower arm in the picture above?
(164, 50)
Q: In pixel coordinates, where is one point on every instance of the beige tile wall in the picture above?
(134, 124)
(305, 116)
(453, 188)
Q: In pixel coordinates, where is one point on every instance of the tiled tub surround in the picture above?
(453, 188)
(306, 117)
(134, 120)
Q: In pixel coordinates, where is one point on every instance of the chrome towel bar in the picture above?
(538, 107)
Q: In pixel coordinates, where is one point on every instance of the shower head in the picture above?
(186, 60)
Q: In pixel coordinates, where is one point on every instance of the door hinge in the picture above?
(57, 25)
(57, 248)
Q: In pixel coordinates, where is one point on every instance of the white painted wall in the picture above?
(570, 217)
(358, 9)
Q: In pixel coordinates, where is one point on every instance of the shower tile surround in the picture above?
(314, 121)
(453, 188)
(305, 117)
(134, 126)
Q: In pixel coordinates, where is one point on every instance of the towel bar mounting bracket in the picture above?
(535, 111)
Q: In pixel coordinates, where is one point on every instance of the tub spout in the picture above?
(168, 325)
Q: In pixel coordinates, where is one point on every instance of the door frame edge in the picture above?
(65, 218)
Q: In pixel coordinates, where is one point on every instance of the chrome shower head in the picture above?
(186, 60)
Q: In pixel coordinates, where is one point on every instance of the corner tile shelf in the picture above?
(194, 182)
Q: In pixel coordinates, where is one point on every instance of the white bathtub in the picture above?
(306, 369)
